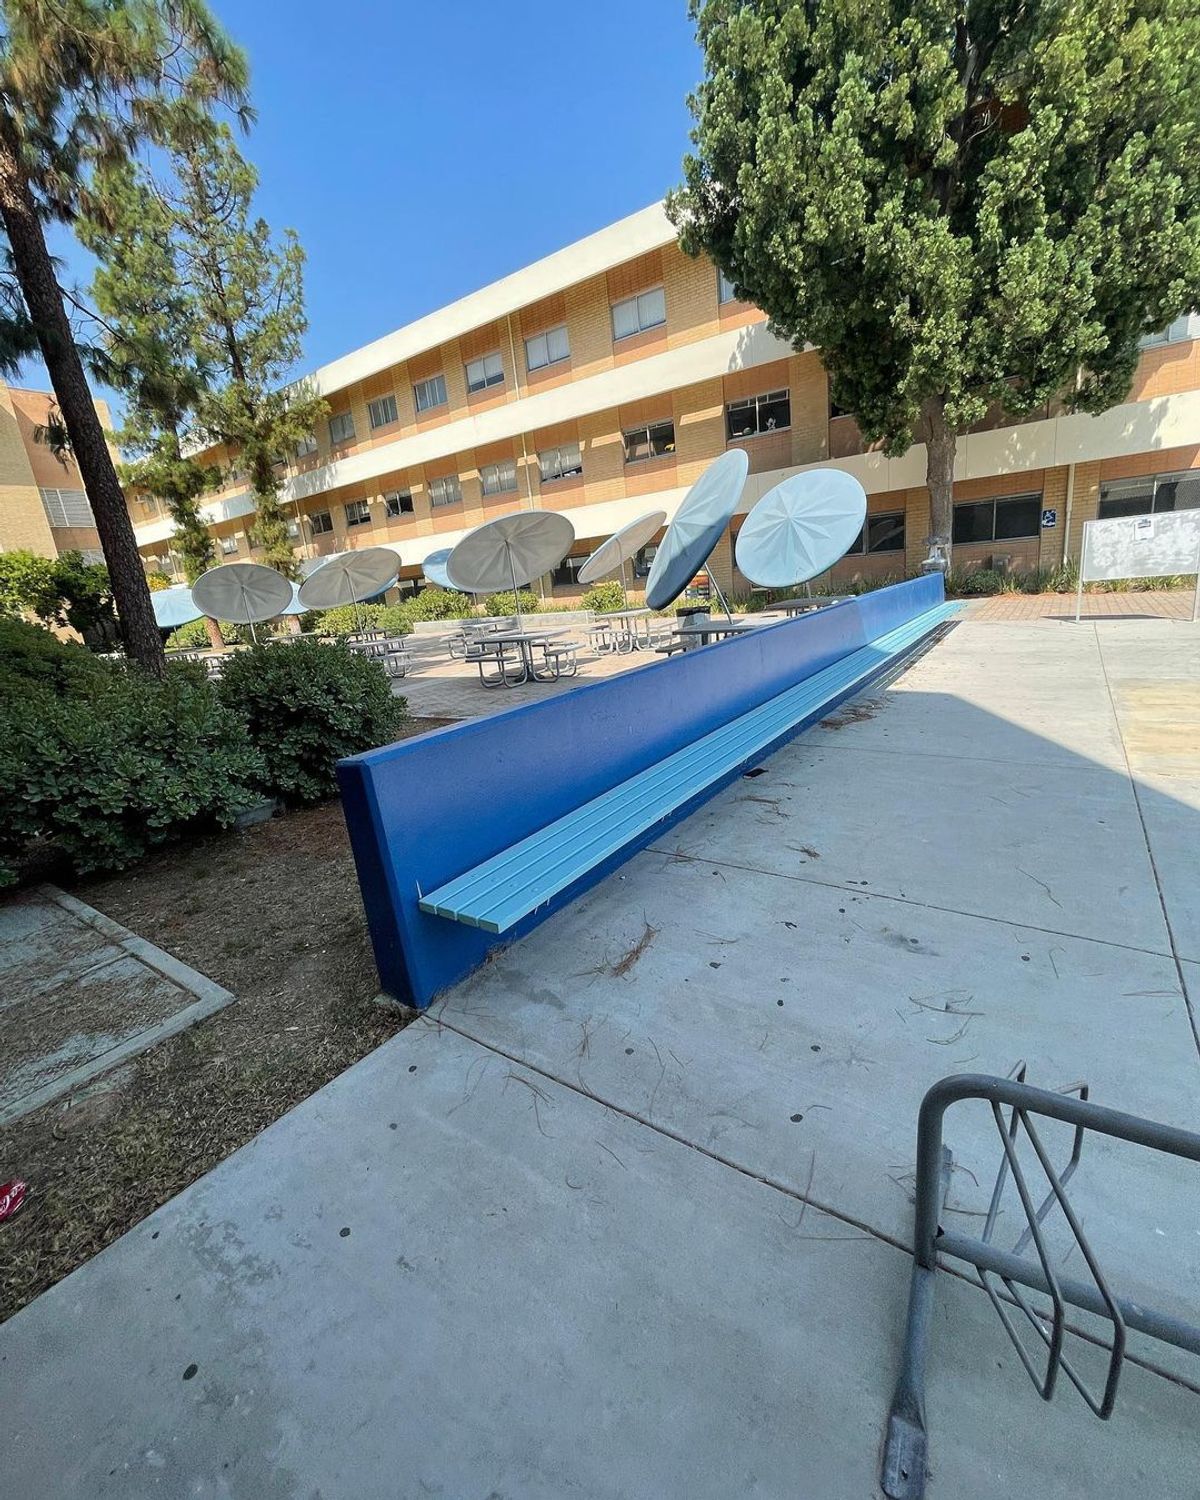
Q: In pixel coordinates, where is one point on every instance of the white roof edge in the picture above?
(648, 229)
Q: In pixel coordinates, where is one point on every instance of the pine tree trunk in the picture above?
(215, 639)
(940, 441)
(39, 286)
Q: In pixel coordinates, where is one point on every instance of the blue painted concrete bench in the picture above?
(471, 835)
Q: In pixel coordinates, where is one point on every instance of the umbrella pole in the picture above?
(624, 590)
(512, 569)
(721, 597)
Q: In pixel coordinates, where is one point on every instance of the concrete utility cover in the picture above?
(80, 994)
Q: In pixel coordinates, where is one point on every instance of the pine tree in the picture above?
(146, 314)
(83, 82)
(248, 323)
(961, 205)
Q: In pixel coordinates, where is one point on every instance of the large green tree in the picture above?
(83, 83)
(146, 314)
(960, 204)
(248, 322)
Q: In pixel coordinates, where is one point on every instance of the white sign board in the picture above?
(1153, 546)
(1141, 546)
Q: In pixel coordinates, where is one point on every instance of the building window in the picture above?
(726, 291)
(484, 372)
(566, 575)
(381, 412)
(498, 479)
(1151, 495)
(655, 440)
(1006, 520)
(1187, 327)
(880, 534)
(636, 314)
(758, 414)
(397, 503)
(319, 522)
(341, 428)
(228, 545)
(358, 513)
(547, 349)
(561, 462)
(644, 560)
(445, 491)
(429, 393)
(67, 508)
(306, 445)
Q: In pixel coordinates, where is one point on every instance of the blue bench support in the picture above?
(469, 836)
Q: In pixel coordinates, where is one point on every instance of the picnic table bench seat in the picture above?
(499, 892)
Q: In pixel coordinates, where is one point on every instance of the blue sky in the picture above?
(423, 150)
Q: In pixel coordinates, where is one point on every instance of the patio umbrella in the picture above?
(510, 551)
(698, 526)
(434, 568)
(801, 527)
(174, 607)
(295, 607)
(242, 592)
(350, 577)
(612, 555)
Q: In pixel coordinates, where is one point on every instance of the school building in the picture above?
(43, 507)
(603, 379)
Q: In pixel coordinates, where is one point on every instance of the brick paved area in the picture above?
(1173, 605)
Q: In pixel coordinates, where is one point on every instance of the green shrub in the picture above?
(306, 705)
(121, 763)
(438, 604)
(349, 619)
(972, 583)
(506, 603)
(31, 656)
(604, 596)
(194, 635)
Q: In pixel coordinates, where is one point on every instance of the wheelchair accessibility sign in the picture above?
(1049, 520)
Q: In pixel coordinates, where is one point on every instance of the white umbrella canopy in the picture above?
(350, 577)
(698, 526)
(243, 593)
(612, 555)
(510, 551)
(174, 607)
(801, 528)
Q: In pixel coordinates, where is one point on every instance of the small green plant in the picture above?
(506, 603)
(194, 635)
(438, 604)
(604, 596)
(306, 705)
(349, 619)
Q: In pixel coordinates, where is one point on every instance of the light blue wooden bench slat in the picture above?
(496, 894)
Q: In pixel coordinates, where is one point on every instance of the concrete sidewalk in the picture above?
(624, 1217)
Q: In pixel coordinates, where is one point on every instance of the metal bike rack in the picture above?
(904, 1458)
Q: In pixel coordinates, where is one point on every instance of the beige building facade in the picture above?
(602, 380)
(43, 506)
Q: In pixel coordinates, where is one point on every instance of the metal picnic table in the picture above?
(704, 630)
(632, 637)
(805, 602)
(525, 641)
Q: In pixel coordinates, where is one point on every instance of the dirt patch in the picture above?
(853, 713)
(273, 914)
